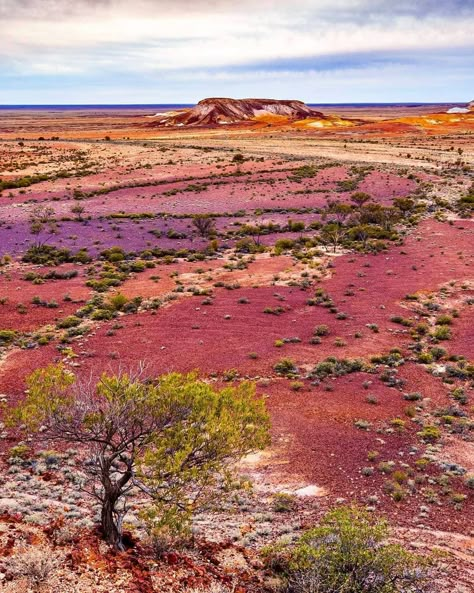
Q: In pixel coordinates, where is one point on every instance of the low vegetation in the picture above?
(171, 439)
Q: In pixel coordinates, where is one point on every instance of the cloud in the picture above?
(120, 40)
(328, 10)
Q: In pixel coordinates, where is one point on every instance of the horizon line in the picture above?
(6, 105)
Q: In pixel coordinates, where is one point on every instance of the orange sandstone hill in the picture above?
(221, 111)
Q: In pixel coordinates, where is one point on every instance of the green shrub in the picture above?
(444, 320)
(118, 301)
(67, 322)
(459, 395)
(20, 451)
(336, 367)
(372, 455)
(114, 254)
(283, 245)
(102, 315)
(398, 423)
(437, 352)
(349, 553)
(283, 502)
(274, 311)
(430, 434)
(386, 467)
(442, 332)
(47, 254)
(285, 367)
(7, 336)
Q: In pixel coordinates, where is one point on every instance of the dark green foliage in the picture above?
(334, 367)
(348, 553)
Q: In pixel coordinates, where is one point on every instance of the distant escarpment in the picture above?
(222, 111)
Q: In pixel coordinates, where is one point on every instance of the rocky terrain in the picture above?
(220, 111)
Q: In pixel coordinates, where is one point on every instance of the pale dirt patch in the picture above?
(311, 490)
(461, 453)
(272, 482)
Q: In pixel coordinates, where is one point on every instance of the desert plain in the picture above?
(335, 271)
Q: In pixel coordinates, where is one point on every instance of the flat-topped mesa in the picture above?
(221, 111)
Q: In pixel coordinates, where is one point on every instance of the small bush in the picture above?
(386, 467)
(336, 367)
(372, 455)
(412, 397)
(348, 553)
(7, 336)
(398, 423)
(118, 301)
(285, 367)
(20, 451)
(444, 320)
(283, 502)
(321, 330)
(362, 424)
(442, 332)
(430, 434)
(399, 476)
(469, 481)
(35, 565)
(67, 322)
(102, 315)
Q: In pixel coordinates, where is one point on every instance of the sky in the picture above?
(180, 51)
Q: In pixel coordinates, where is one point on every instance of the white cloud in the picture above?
(170, 42)
(176, 39)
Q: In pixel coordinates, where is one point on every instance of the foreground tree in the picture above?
(174, 438)
(349, 553)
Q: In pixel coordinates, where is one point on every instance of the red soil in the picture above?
(384, 186)
(462, 341)
(258, 272)
(258, 190)
(21, 292)
(189, 335)
(314, 432)
(434, 254)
